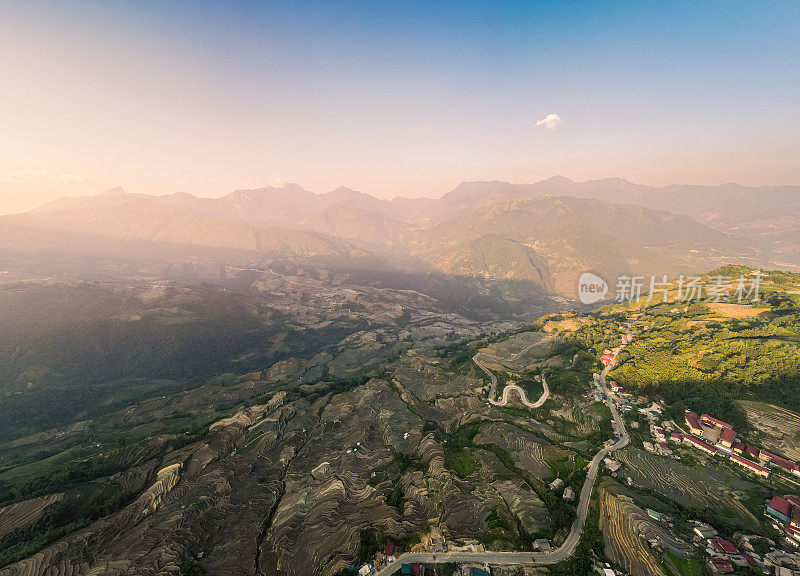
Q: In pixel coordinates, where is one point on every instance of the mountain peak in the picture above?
(557, 180)
(115, 191)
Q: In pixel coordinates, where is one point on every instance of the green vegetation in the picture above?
(704, 355)
(687, 566)
(458, 449)
(580, 563)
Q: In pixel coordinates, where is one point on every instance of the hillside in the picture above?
(144, 218)
(574, 235)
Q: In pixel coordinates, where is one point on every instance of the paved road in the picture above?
(541, 558)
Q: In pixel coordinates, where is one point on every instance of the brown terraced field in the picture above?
(779, 428)
(687, 486)
(619, 519)
(23, 513)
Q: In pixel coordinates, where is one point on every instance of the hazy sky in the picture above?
(392, 98)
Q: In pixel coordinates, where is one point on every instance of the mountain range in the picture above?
(540, 235)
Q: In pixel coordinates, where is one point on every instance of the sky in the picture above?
(392, 98)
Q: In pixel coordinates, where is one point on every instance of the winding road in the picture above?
(555, 555)
(512, 388)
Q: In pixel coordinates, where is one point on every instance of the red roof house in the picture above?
(739, 447)
(701, 445)
(693, 423)
(780, 509)
(752, 466)
(720, 566)
(727, 437)
(713, 422)
(723, 546)
(778, 461)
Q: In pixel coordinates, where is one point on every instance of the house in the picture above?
(411, 570)
(752, 451)
(723, 546)
(778, 461)
(751, 466)
(704, 531)
(727, 437)
(606, 359)
(720, 566)
(615, 387)
(366, 569)
(780, 509)
(542, 545)
(569, 494)
(713, 422)
(556, 484)
(612, 465)
(739, 447)
(655, 515)
(388, 550)
(675, 437)
(792, 532)
(796, 516)
(700, 445)
(693, 423)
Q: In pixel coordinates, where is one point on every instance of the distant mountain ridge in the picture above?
(543, 234)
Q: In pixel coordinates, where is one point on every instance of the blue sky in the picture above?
(392, 98)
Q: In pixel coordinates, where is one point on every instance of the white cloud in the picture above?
(551, 122)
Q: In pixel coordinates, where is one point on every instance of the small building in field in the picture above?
(542, 545)
(704, 531)
(739, 447)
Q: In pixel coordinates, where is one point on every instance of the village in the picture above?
(716, 438)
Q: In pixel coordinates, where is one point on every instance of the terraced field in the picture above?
(519, 351)
(687, 486)
(622, 525)
(23, 513)
(528, 451)
(779, 428)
